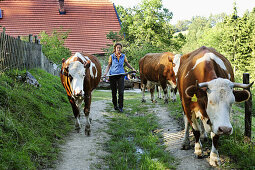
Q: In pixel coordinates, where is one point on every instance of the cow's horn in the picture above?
(205, 84)
(243, 85)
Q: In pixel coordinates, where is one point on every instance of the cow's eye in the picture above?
(70, 77)
(208, 90)
(211, 102)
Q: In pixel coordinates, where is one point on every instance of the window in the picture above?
(1, 16)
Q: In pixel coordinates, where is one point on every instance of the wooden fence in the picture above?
(15, 53)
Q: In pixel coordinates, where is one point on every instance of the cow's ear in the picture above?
(241, 95)
(170, 58)
(87, 64)
(194, 90)
(190, 91)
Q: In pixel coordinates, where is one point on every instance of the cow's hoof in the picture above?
(166, 102)
(87, 130)
(214, 160)
(214, 163)
(198, 151)
(77, 128)
(200, 156)
(204, 138)
(185, 147)
(174, 100)
(154, 101)
(143, 100)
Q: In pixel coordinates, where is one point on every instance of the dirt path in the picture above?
(173, 136)
(81, 152)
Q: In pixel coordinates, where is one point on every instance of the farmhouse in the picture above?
(87, 21)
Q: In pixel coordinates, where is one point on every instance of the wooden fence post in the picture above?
(36, 39)
(30, 38)
(248, 109)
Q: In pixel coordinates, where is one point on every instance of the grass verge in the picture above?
(33, 120)
(240, 154)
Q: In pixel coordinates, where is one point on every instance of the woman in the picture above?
(117, 74)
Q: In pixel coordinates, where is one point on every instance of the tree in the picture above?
(182, 25)
(195, 33)
(148, 22)
(53, 45)
(237, 38)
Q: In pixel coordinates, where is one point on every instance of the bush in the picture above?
(53, 46)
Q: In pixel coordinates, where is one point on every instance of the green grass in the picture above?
(133, 145)
(240, 154)
(33, 120)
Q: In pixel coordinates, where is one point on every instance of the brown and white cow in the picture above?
(205, 82)
(157, 69)
(80, 74)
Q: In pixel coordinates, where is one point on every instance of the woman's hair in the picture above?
(114, 48)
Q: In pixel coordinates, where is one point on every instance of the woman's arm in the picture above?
(129, 66)
(107, 69)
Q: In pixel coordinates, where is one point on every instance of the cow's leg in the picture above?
(204, 136)
(159, 91)
(214, 156)
(173, 94)
(203, 125)
(143, 93)
(186, 142)
(87, 101)
(76, 113)
(196, 131)
(152, 94)
(164, 87)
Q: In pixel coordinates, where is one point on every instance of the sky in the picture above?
(186, 9)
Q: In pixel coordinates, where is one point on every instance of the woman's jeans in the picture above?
(117, 83)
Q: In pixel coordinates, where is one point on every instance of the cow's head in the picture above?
(77, 72)
(219, 95)
(171, 77)
(176, 63)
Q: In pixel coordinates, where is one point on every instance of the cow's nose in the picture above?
(224, 130)
(79, 93)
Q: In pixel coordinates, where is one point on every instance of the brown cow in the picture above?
(80, 74)
(205, 81)
(157, 69)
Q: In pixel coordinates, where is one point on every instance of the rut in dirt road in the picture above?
(173, 136)
(82, 152)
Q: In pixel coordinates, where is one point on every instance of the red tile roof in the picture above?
(89, 21)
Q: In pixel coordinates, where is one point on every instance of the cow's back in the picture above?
(93, 74)
(189, 71)
(153, 66)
